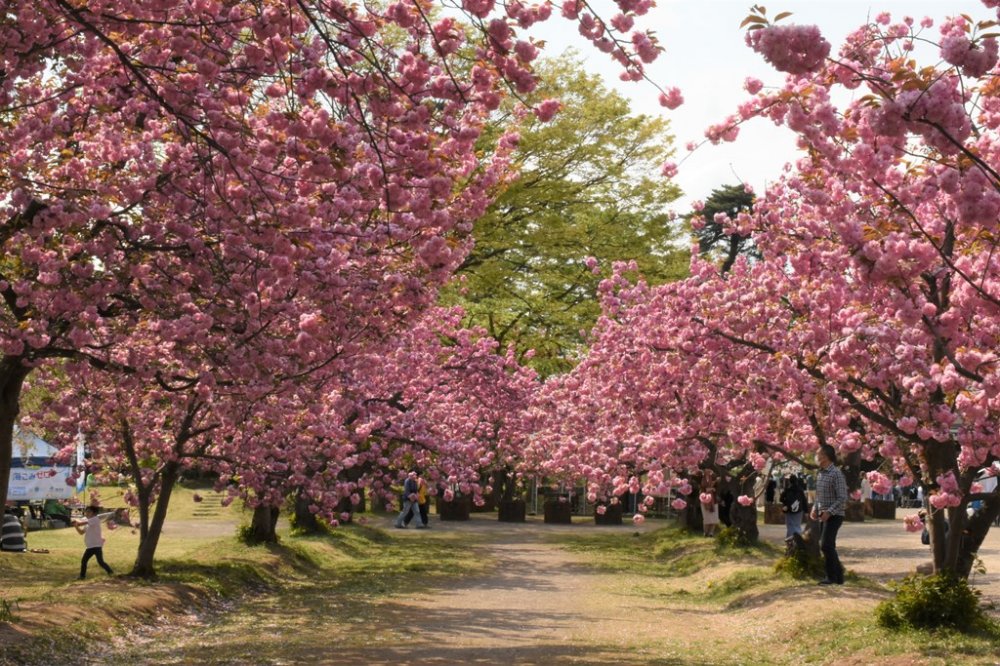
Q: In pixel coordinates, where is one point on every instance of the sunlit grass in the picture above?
(684, 570)
(345, 581)
(353, 565)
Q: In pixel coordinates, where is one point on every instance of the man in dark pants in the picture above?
(831, 500)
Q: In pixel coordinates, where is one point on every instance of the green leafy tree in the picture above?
(590, 185)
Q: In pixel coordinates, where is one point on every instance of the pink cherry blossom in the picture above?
(672, 98)
(913, 523)
(547, 109)
(790, 48)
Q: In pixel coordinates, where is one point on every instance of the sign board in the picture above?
(29, 483)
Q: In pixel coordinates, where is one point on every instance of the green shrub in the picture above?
(800, 565)
(7, 607)
(245, 534)
(730, 537)
(932, 602)
(297, 529)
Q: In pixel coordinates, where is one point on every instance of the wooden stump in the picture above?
(855, 512)
(457, 509)
(513, 511)
(773, 515)
(489, 504)
(881, 509)
(559, 513)
(612, 515)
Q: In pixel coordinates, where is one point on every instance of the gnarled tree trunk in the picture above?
(150, 533)
(264, 524)
(975, 533)
(743, 518)
(305, 520)
(12, 375)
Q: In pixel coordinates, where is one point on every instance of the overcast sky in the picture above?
(706, 57)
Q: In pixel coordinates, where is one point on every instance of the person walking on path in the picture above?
(831, 501)
(423, 501)
(93, 540)
(410, 501)
(793, 503)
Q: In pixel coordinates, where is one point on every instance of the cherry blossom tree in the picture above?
(871, 321)
(661, 401)
(438, 398)
(894, 310)
(260, 147)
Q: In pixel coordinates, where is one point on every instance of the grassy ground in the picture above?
(750, 613)
(197, 571)
(30, 576)
(223, 602)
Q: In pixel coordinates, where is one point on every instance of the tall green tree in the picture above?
(713, 239)
(589, 184)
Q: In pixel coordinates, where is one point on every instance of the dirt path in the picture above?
(537, 604)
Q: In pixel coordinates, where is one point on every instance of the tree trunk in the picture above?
(948, 547)
(744, 518)
(814, 532)
(305, 520)
(978, 526)
(143, 567)
(344, 506)
(265, 522)
(505, 485)
(12, 375)
(851, 469)
(690, 516)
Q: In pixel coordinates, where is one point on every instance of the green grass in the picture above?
(182, 505)
(349, 587)
(682, 570)
(861, 636)
(196, 567)
(670, 551)
(672, 565)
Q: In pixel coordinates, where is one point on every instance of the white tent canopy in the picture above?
(34, 475)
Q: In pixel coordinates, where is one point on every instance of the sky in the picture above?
(706, 57)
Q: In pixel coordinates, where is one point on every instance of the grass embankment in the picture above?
(732, 606)
(200, 563)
